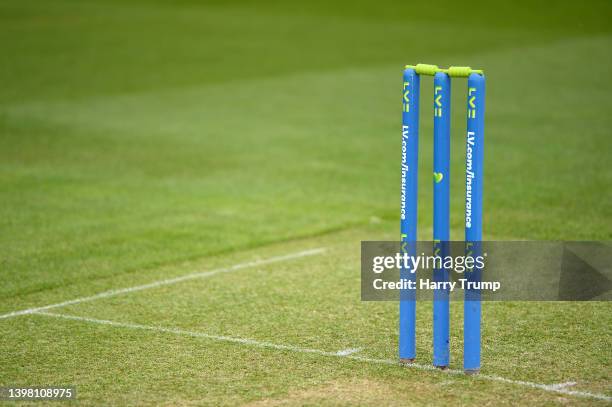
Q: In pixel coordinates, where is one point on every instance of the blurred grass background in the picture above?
(143, 133)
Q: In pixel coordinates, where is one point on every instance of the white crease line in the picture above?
(155, 284)
(553, 388)
(350, 351)
(562, 385)
(243, 341)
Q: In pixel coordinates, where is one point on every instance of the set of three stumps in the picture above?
(441, 186)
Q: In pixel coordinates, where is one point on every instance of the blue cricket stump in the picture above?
(441, 221)
(473, 217)
(409, 189)
(441, 216)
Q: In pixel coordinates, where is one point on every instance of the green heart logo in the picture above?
(438, 177)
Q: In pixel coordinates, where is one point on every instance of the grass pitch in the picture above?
(142, 141)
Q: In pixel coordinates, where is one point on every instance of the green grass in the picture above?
(143, 140)
(309, 303)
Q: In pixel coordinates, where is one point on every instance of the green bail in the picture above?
(453, 71)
